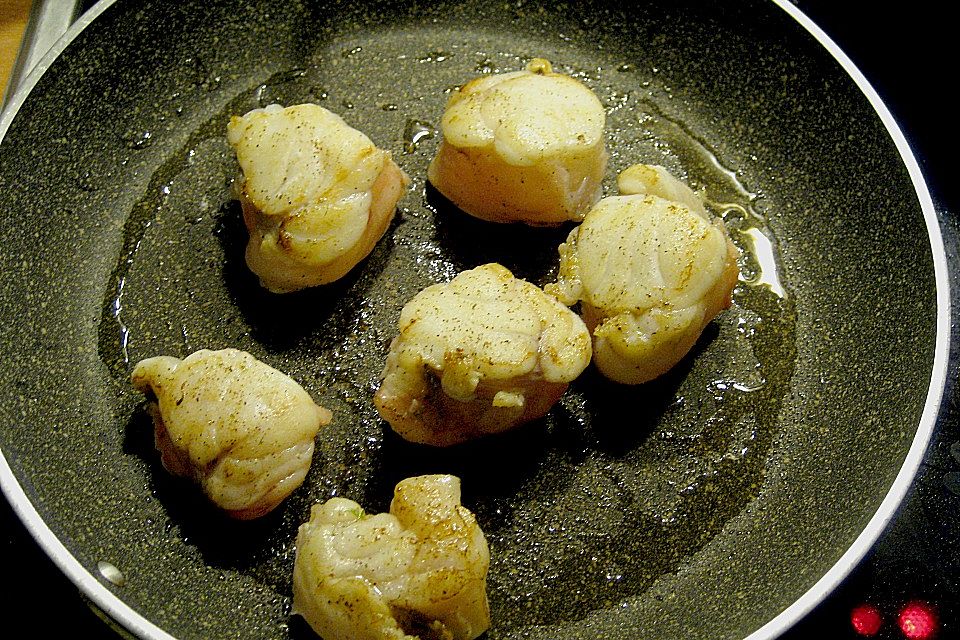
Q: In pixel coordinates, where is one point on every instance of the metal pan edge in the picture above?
(137, 624)
(98, 594)
(938, 377)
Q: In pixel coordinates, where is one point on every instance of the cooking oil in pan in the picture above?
(584, 509)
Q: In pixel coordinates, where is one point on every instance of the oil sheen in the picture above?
(584, 509)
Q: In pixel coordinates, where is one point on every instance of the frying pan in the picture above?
(722, 501)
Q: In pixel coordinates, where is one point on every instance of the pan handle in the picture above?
(49, 19)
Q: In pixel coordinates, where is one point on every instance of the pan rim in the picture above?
(90, 587)
(938, 375)
(123, 614)
(96, 593)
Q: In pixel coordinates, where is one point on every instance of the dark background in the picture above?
(909, 56)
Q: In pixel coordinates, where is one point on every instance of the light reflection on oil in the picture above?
(762, 250)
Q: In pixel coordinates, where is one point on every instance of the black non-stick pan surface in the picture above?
(743, 483)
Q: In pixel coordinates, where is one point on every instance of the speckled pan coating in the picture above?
(698, 506)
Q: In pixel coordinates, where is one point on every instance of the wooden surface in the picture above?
(13, 19)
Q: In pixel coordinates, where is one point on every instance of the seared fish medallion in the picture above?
(479, 355)
(317, 194)
(650, 270)
(419, 571)
(526, 146)
(237, 427)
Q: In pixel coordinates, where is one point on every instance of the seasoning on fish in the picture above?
(237, 427)
(526, 146)
(316, 194)
(418, 571)
(479, 355)
(650, 269)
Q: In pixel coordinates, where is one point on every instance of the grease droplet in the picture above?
(414, 133)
